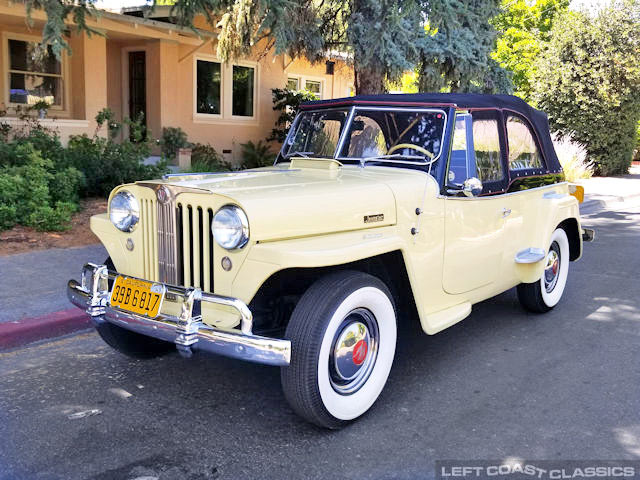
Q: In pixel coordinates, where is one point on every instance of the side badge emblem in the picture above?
(379, 217)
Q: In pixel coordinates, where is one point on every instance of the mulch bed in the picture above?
(25, 239)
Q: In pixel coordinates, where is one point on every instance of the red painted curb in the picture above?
(27, 330)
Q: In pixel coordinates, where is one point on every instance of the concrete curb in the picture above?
(596, 204)
(28, 330)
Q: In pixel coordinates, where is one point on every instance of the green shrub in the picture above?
(56, 218)
(106, 163)
(205, 158)
(173, 138)
(588, 81)
(26, 183)
(256, 155)
(286, 102)
(9, 195)
(636, 154)
(41, 181)
(66, 185)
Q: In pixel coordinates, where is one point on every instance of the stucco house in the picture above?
(150, 65)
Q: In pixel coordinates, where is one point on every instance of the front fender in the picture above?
(267, 258)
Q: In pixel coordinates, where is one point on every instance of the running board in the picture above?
(442, 319)
(530, 255)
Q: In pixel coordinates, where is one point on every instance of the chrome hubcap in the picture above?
(353, 352)
(552, 267)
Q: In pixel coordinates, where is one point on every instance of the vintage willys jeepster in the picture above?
(377, 207)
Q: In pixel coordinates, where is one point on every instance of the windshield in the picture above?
(316, 133)
(369, 135)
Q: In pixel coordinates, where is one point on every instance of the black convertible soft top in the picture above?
(471, 101)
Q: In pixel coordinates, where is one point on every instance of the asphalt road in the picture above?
(501, 384)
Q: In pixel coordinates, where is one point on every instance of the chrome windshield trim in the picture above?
(347, 125)
(343, 134)
(399, 109)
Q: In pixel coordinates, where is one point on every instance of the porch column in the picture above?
(95, 77)
(162, 83)
(88, 77)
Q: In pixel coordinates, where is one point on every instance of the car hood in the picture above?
(301, 200)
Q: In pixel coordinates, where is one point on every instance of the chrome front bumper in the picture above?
(187, 331)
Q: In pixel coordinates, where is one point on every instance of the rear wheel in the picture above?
(131, 343)
(544, 294)
(343, 338)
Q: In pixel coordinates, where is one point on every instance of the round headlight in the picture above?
(124, 211)
(230, 227)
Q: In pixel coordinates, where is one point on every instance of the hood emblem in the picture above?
(378, 217)
(163, 194)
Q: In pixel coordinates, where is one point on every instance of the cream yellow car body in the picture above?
(313, 213)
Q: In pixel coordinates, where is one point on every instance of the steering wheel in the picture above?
(412, 147)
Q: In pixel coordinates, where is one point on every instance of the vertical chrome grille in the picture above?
(195, 246)
(177, 241)
(167, 248)
(149, 240)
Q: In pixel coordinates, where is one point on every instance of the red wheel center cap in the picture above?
(359, 352)
(554, 267)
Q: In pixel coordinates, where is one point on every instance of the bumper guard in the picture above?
(187, 331)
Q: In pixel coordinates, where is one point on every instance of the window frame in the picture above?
(226, 92)
(246, 64)
(207, 116)
(497, 187)
(64, 72)
(297, 80)
(356, 108)
(523, 171)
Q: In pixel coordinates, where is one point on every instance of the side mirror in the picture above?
(472, 187)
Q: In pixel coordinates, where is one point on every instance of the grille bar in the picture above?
(167, 248)
(195, 246)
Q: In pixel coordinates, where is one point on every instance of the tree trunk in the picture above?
(369, 81)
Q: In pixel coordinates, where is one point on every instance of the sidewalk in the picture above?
(604, 192)
(33, 296)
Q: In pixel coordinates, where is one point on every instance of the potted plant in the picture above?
(41, 106)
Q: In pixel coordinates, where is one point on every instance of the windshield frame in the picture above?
(282, 156)
(294, 128)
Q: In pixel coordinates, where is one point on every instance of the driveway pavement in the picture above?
(608, 192)
(502, 384)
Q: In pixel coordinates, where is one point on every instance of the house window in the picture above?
(209, 83)
(34, 74)
(314, 87)
(293, 84)
(304, 83)
(243, 91)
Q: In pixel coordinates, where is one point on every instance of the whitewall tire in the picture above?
(544, 294)
(343, 339)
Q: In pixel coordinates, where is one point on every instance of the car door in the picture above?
(526, 168)
(474, 226)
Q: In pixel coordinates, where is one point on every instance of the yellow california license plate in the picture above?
(137, 296)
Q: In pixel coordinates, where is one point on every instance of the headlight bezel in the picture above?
(133, 208)
(243, 224)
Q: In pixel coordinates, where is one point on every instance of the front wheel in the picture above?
(343, 339)
(544, 294)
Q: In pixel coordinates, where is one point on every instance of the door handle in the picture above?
(506, 212)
